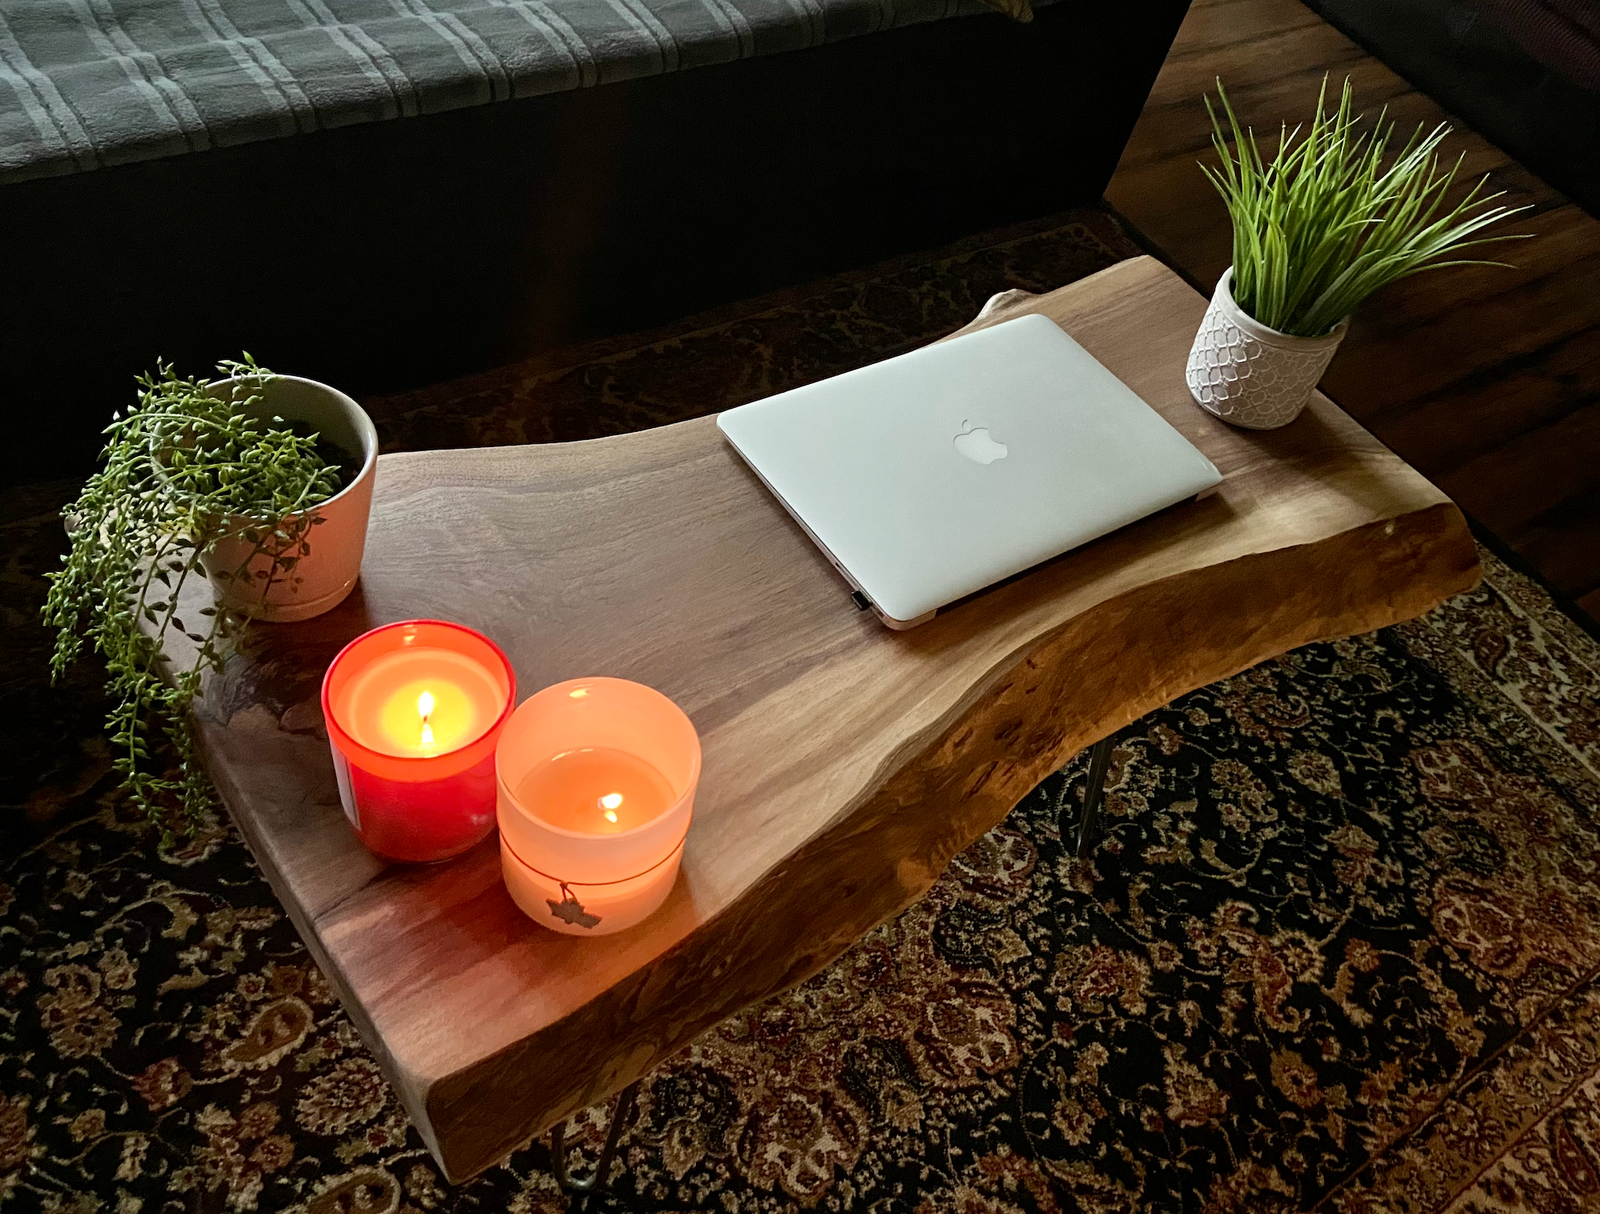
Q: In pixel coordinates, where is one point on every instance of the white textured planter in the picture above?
(1250, 375)
(322, 579)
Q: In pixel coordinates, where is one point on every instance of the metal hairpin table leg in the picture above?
(1093, 794)
(597, 1182)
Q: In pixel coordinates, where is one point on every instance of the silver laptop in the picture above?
(930, 476)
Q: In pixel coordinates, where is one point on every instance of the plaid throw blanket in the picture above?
(90, 83)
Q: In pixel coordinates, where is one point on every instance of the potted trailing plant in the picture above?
(259, 484)
(1317, 229)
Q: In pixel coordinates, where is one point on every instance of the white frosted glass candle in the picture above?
(596, 780)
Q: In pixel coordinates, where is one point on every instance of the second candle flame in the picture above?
(425, 710)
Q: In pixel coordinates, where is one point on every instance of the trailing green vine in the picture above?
(188, 467)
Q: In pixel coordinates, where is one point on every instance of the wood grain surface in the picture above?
(844, 764)
(1485, 379)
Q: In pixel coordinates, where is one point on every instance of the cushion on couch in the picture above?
(90, 83)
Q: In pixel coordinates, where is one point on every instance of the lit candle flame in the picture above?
(425, 710)
(609, 803)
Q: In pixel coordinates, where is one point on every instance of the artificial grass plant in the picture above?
(1325, 223)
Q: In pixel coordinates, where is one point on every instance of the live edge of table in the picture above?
(844, 764)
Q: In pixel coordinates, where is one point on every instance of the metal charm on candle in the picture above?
(596, 781)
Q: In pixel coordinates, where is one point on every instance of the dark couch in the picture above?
(1524, 73)
(382, 254)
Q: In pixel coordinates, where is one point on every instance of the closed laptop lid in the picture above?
(935, 474)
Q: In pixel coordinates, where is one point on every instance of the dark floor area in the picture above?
(1525, 73)
(1485, 379)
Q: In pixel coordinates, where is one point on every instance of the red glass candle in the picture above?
(414, 711)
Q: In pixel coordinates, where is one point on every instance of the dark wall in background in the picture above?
(1524, 73)
(387, 256)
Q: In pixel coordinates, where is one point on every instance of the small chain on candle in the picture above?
(591, 884)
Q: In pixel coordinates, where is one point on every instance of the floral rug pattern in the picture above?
(1339, 949)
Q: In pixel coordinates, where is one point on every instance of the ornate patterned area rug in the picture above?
(1338, 949)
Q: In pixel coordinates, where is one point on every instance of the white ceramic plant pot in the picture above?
(1250, 375)
(323, 577)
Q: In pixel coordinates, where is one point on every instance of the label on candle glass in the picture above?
(347, 795)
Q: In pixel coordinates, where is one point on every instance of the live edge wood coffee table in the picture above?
(844, 764)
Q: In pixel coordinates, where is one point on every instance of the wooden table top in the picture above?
(844, 764)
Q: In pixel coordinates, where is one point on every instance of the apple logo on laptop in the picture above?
(977, 445)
